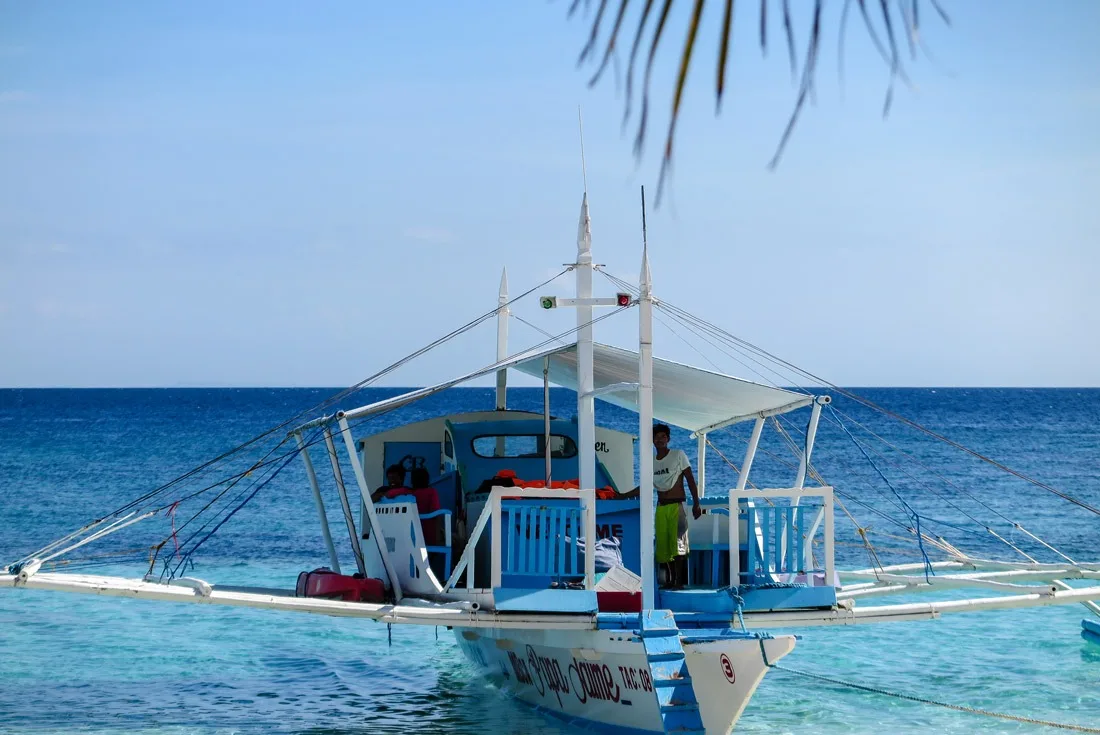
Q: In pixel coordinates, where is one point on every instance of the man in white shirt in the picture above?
(670, 469)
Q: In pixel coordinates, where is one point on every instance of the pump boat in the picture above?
(527, 503)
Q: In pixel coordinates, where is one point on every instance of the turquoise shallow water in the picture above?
(72, 662)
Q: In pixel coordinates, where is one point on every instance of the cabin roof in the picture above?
(684, 396)
(688, 397)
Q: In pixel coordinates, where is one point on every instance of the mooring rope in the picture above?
(925, 700)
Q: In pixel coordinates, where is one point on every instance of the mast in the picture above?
(503, 312)
(645, 421)
(586, 419)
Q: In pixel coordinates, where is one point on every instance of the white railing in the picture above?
(791, 541)
(544, 551)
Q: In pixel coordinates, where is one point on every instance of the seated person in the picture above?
(427, 500)
(395, 477)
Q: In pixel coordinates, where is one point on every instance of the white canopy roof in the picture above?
(684, 396)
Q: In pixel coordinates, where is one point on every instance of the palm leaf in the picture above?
(904, 18)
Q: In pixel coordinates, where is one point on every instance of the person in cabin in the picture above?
(427, 500)
(395, 479)
(671, 469)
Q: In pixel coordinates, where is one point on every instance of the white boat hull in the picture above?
(601, 678)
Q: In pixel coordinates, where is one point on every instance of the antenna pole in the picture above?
(584, 169)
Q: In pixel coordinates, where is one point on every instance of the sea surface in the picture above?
(82, 663)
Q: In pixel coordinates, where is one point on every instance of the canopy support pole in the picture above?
(322, 516)
(546, 418)
(375, 528)
(338, 475)
(800, 479)
(701, 460)
(735, 504)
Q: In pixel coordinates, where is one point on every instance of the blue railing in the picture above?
(780, 547)
(541, 540)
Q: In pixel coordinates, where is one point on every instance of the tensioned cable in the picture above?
(938, 494)
(284, 458)
(634, 289)
(536, 327)
(320, 406)
(1015, 524)
(886, 412)
(718, 331)
(317, 438)
(872, 553)
(348, 391)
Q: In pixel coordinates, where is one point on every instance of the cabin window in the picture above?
(524, 446)
(448, 446)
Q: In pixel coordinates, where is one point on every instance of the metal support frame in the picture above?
(375, 527)
(735, 509)
(338, 476)
(321, 515)
(803, 468)
(701, 460)
(615, 388)
(811, 434)
(546, 419)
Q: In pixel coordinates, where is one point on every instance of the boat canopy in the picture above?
(684, 396)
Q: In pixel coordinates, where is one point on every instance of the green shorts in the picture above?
(671, 530)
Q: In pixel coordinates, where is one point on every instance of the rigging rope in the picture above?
(886, 412)
(696, 324)
(1015, 524)
(913, 515)
(190, 552)
(161, 489)
(343, 393)
(265, 463)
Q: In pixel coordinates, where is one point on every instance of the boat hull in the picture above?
(601, 678)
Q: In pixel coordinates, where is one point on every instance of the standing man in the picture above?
(670, 469)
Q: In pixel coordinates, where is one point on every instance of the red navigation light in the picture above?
(623, 299)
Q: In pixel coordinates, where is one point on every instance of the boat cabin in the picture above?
(518, 532)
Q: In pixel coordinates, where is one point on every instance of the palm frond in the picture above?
(900, 16)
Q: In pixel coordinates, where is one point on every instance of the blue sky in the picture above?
(265, 193)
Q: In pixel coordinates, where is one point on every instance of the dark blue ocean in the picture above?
(82, 663)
